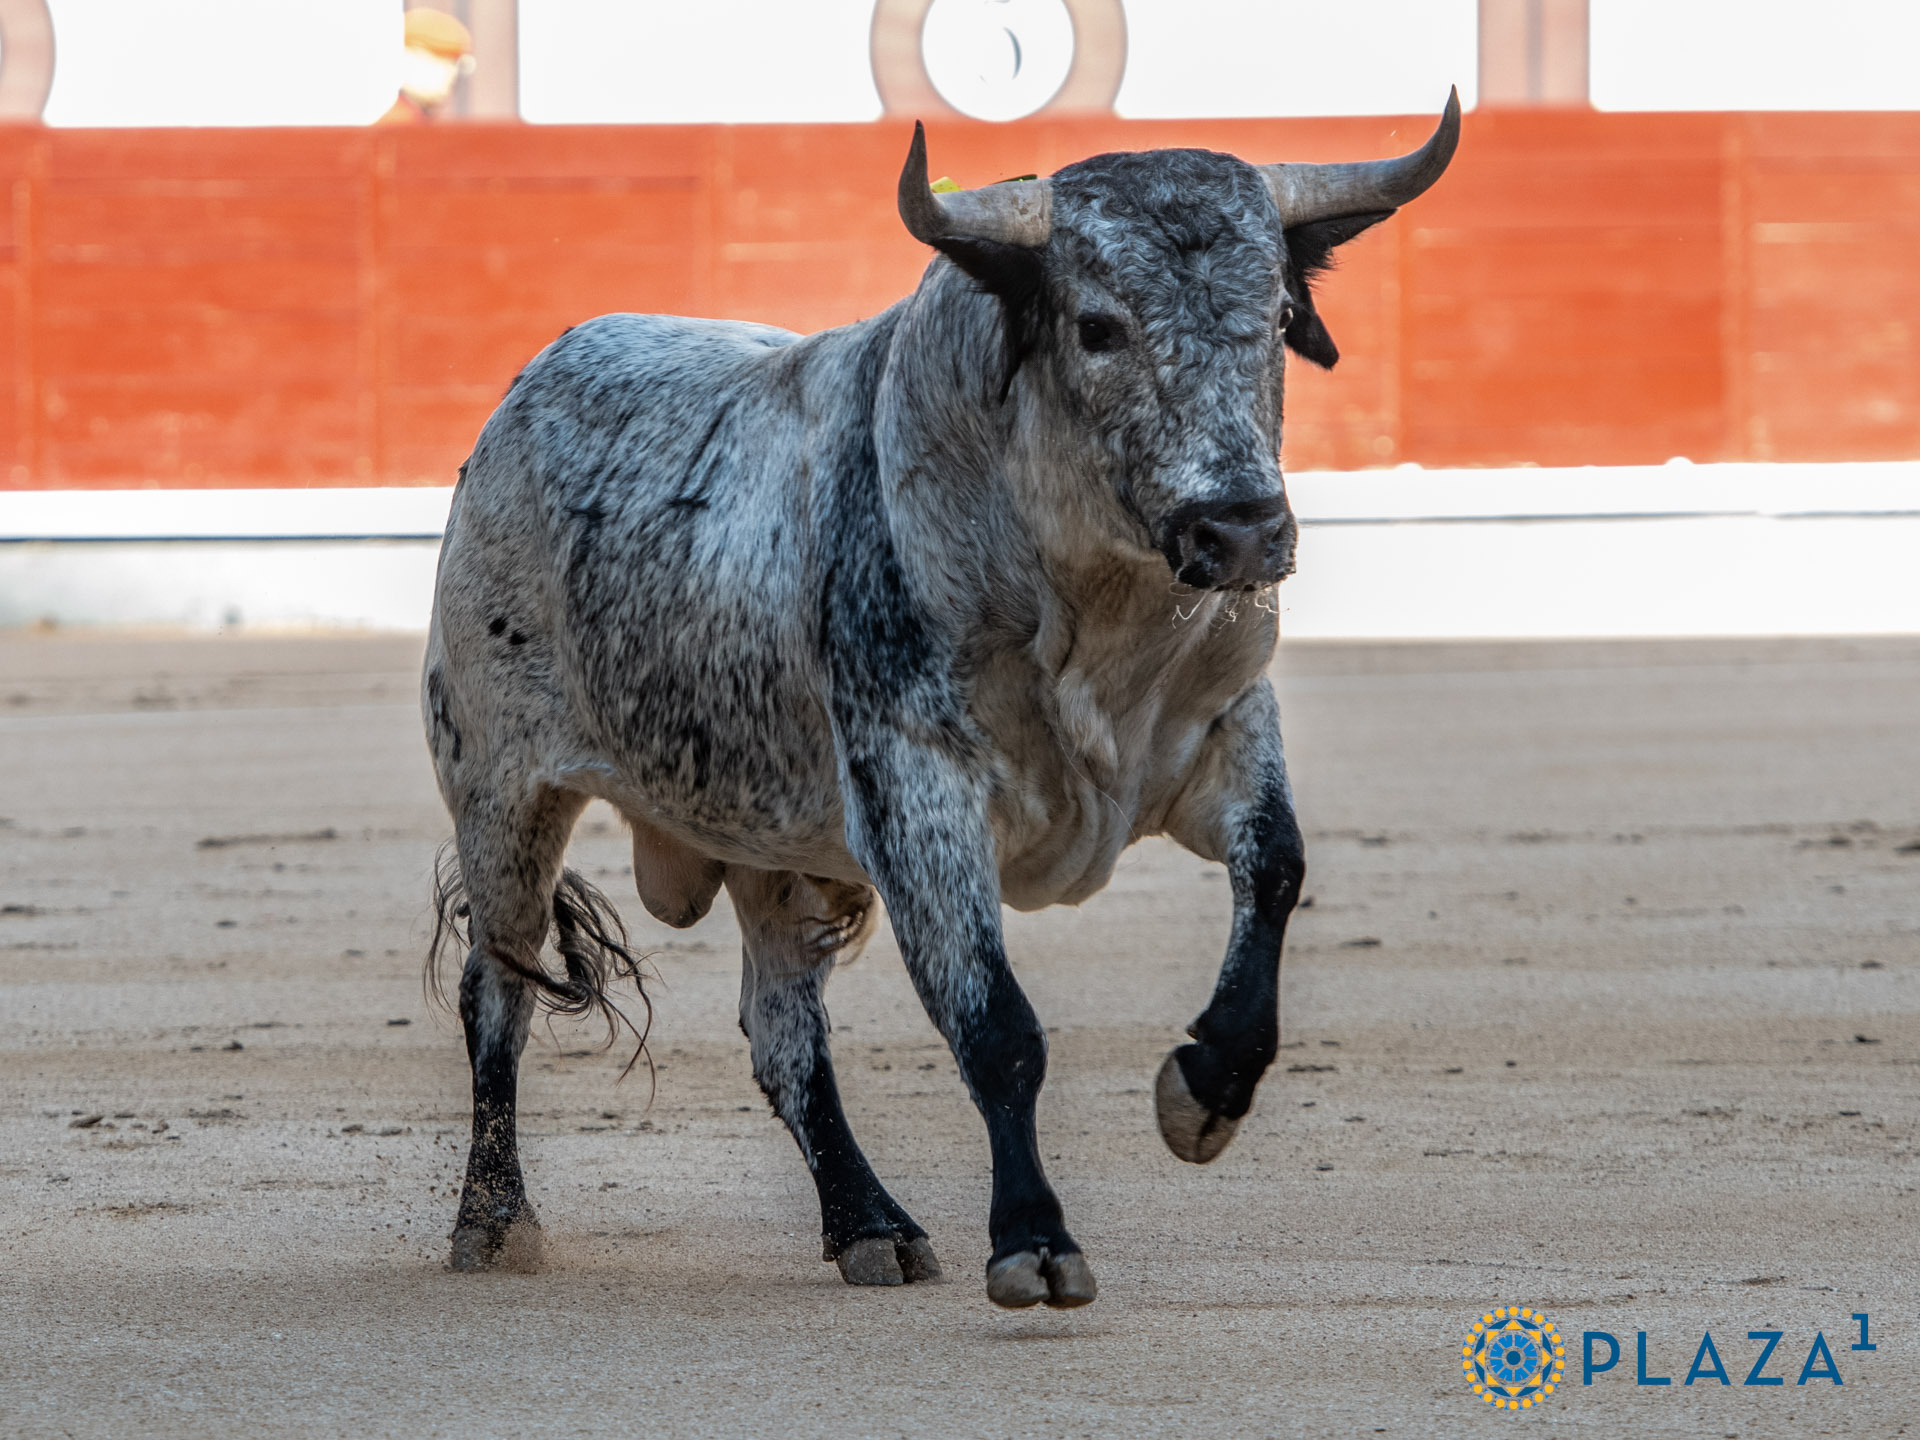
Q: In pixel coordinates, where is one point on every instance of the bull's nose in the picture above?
(1235, 547)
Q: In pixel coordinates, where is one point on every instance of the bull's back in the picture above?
(638, 513)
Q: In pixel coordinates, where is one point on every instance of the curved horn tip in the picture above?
(916, 153)
(1012, 213)
(919, 210)
(1446, 135)
(1307, 192)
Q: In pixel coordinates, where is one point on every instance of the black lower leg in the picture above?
(854, 1205)
(1238, 1034)
(1003, 1057)
(784, 1017)
(494, 1011)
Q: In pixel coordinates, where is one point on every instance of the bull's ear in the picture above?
(1017, 277)
(1307, 337)
(1015, 273)
(1310, 248)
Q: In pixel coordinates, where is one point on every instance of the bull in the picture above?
(931, 606)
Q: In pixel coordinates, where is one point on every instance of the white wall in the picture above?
(717, 61)
(223, 584)
(1668, 550)
(1298, 57)
(1755, 54)
(223, 62)
(336, 62)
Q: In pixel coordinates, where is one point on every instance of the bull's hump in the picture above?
(615, 359)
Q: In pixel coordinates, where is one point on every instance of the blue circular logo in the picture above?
(1513, 1358)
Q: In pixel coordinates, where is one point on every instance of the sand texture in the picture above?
(1605, 1003)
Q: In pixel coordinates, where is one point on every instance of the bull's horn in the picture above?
(1019, 212)
(1325, 192)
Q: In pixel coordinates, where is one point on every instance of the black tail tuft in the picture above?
(592, 940)
(451, 931)
(590, 936)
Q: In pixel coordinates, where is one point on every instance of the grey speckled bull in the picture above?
(953, 604)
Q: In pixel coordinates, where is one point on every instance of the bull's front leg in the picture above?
(1237, 808)
(917, 821)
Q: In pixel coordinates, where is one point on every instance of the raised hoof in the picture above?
(883, 1260)
(1193, 1132)
(517, 1246)
(1033, 1277)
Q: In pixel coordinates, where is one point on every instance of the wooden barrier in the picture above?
(332, 307)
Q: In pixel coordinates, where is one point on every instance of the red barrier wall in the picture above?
(331, 307)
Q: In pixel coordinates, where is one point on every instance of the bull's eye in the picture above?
(1286, 315)
(1097, 333)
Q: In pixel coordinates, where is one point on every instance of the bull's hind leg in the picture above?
(794, 926)
(510, 860)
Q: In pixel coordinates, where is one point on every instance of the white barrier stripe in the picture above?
(1364, 497)
(236, 537)
(358, 513)
(1665, 575)
(1574, 517)
(1597, 492)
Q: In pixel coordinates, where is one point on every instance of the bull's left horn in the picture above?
(1306, 193)
(1019, 212)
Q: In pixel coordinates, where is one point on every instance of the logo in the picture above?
(1514, 1358)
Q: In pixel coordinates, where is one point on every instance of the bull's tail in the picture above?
(587, 931)
(451, 932)
(592, 940)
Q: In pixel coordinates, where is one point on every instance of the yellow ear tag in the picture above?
(945, 185)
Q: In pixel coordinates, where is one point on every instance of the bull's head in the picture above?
(1148, 295)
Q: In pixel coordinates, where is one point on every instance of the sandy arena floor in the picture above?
(1604, 1004)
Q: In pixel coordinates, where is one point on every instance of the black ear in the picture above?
(1012, 272)
(1310, 248)
(1017, 277)
(1307, 337)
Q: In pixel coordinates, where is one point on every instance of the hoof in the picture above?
(517, 1246)
(871, 1262)
(883, 1260)
(918, 1264)
(1016, 1282)
(1070, 1282)
(1193, 1132)
(1032, 1277)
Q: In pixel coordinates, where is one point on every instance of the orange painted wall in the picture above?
(334, 307)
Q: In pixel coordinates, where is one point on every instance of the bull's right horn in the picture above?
(1306, 193)
(1018, 212)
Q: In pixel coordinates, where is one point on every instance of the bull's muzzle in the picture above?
(1243, 545)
